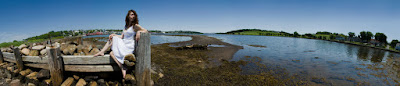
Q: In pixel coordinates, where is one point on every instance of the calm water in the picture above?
(154, 39)
(337, 63)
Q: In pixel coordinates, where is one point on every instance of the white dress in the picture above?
(125, 46)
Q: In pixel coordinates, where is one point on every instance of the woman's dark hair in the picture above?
(128, 22)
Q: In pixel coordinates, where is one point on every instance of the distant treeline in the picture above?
(363, 37)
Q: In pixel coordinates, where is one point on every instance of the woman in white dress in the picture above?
(124, 44)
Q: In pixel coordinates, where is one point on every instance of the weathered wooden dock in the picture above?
(57, 63)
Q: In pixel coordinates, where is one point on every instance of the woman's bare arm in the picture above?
(141, 30)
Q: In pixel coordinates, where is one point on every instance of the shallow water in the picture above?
(336, 63)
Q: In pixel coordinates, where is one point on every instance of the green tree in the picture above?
(296, 34)
(351, 34)
(366, 36)
(393, 43)
(381, 37)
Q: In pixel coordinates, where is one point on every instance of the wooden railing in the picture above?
(57, 63)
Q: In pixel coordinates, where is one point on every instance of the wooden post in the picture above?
(18, 59)
(143, 60)
(1, 57)
(56, 66)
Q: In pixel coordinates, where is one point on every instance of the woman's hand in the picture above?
(111, 36)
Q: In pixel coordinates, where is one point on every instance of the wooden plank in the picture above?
(1, 57)
(142, 69)
(8, 55)
(18, 59)
(79, 68)
(56, 66)
(83, 60)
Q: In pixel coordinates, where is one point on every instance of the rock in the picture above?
(75, 77)
(25, 72)
(25, 51)
(43, 52)
(15, 82)
(34, 53)
(90, 78)
(31, 84)
(69, 50)
(43, 74)
(101, 81)
(93, 83)
(94, 51)
(130, 77)
(47, 81)
(38, 47)
(80, 48)
(130, 57)
(87, 49)
(130, 64)
(8, 80)
(68, 82)
(160, 75)
(32, 75)
(22, 46)
(81, 82)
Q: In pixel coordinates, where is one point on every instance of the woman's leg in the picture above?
(108, 45)
(123, 69)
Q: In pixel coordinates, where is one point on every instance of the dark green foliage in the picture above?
(324, 32)
(296, 34)
(381, 37)
(393, 43)
(366, 36)
(351, 34)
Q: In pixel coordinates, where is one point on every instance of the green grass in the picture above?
(17, 43)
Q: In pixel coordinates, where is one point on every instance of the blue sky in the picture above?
(25, 18)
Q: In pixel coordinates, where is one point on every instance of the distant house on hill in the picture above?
(375, 42)
(398, 46)
(354, 39)
(340, 38)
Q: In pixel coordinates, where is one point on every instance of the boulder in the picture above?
(43, 74)
(32, 75)
(8, 80)
(68, 82)
(130, 57)
(93, 83)
(43, 52)
(90, 78)
(101, 81)
(94, 51)
(87, 49)
(81, 82)
(69, 50)
(25, 72)
(38, 47)
(22, 46)
(34, 53)
(25, 51)
(130, 77)
(31, 84)
(15, 82)
(75, 77)
(56, 44)
(129, 64)
(47, 81)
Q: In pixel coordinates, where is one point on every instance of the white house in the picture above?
(398, 46)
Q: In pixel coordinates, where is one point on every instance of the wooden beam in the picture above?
(56, 66)
(18, 59)
(143, 52)
(79, 68)
(1, 57)
(82, 60)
